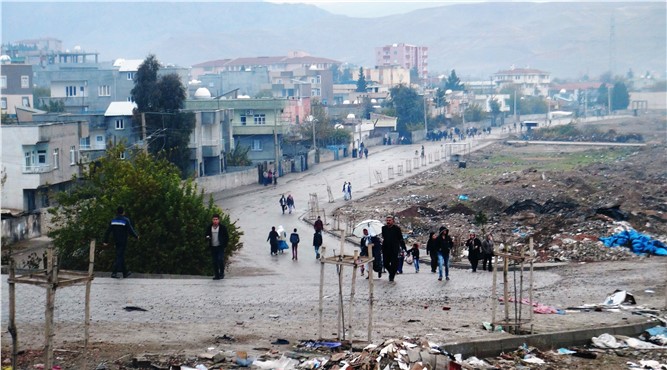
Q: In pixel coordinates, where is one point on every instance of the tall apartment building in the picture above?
(403, 55)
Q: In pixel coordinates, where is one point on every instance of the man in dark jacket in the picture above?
(445, 245)
(121, 227)
(218, 238)
(474, 250)
(273, 240)
(392, 244)
(317, 243)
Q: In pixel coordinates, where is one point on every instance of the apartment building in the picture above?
(530, 82)
(16, 87)
(403, 55)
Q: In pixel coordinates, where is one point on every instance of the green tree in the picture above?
(346, 76)
(367, 107)
(474, 113)
(453, 82)
(494, 106)
(239, 156)
(620, 98)
(407, 105)
(603, 95)
(161, 99)
(170, 216)
(361, 82)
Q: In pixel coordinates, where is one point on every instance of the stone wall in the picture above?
(21, 227)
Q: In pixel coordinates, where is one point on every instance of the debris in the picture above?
(134, 308)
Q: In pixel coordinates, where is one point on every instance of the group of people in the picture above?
(286, 203)
(347, 190)
(269, 177)
(278, 241)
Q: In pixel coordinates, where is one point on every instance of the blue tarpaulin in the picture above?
(639, 243)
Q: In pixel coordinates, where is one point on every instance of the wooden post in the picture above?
(12, 312)
(86, 324)
(341, 315)
(52, 281)
(494, 292)
(352, 289)
(506, 295)
(530, 293)
(322, 250)
(370, 292)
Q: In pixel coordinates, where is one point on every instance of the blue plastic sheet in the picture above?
(639, 243)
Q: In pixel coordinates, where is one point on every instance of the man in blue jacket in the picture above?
(121, 227)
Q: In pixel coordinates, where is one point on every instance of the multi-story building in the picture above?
(39, 51)
(250, 82)
(16, 88)
(39, 158)
(403, 55)
(531, 82)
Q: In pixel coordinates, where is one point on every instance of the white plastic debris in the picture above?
(606, 341)
(284, 363)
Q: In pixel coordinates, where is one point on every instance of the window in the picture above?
(72, 155)
(41, 157)
(103, 90)
(25, 101)
(28, 159)
(4, 103)
(260, 119)
(256, 145)
(25, 82)
(70, 91)
(56, 158)
(243, 119)
(120, 125)
(207, 118)
(130, 76)
(122, 155)
(3, 81)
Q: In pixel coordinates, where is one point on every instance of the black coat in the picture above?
(223, 235)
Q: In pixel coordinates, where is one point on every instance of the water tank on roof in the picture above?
(202, 93)
(351, 116)
(5, 59)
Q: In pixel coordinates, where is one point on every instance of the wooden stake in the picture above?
(52, 281)
(322, 250)
(530, 293)
(12, 312)
(352, 290)
(494, 292)
(86, 323)
(370, 292)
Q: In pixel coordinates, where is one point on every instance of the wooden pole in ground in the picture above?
(352, 290)
(12, 312)
(506, 295)
(322, 251)
(494, 292)
(51, 274)
(86, 323)
(531, 284)
(370, 291)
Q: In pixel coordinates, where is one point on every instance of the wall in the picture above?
(225, 181)
(25, 226)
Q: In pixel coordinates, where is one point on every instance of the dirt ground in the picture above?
(565, 197)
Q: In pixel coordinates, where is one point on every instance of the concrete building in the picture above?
(16, 88)
(37, 52)
(403, 55)
(39, 158)
(531, 82)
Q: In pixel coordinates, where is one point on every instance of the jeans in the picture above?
(119, 263)
(416, 262)
(443, 261)
(218, 257)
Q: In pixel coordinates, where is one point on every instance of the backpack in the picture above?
(294, 238)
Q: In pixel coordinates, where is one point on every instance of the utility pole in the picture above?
(609, 100)
(143, 132)
(425, 116)
(275, 141)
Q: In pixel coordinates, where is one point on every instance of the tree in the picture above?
(361, 82)
(620, 98)
(453, 82)
(161, 99)
(169, 214)
(495, 110)
(407, 105)
(367, 107)
(603, 95)
(239, 156)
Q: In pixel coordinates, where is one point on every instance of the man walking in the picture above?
(445, 245)
(392, 244)
(487, 252)
(121, 227)
(218, 238)
(294, 239)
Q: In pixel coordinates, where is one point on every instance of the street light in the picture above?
(312, 120)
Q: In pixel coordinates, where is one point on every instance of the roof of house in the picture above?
(127, 65)
(120, 108)
(521, 71)
(213, 63)
(265, 61)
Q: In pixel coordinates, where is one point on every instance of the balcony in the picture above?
(42, 168)
(96, 146)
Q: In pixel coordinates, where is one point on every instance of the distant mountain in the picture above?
(568, 39)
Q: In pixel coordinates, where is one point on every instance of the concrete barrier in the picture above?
(229, 180)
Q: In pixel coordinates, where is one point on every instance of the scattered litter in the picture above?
(619, 297)
(606, 341)
(134, 308)
(639, 243)
(280, 341)
(565, 351)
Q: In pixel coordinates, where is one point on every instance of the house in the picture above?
(16, 88)
(403, 55)
(39, 158)
(530, 82)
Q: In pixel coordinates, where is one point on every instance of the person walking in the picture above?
(445, 245)
(349, 190)
(282, 239)
(121, 227)
(290, 203)
(318, 225)
(283, 203)
(474, 251)
(317, 243)
(273, 241)
(294, 239)
(345, 194)
(363, 247)
(218, 238)
(432, 250)
(392, 244)
(414, 252)
(487, 252)
(366, 153)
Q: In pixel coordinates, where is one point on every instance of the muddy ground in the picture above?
(566, 197)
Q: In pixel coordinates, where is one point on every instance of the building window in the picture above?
(28, 159)
(243, 119)
(256, 145)
(70, 91)
(122, 155)
(72, 155)
(3, 103)
(120, 125)
(103, 90)
(25, 101)
(260, 119)
(3, 81)
(56, 158)
(25, 82)
(130, 76)
(41, 157)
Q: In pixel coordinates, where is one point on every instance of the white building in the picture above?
(531, 82)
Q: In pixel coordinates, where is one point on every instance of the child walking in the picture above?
(414, 251)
